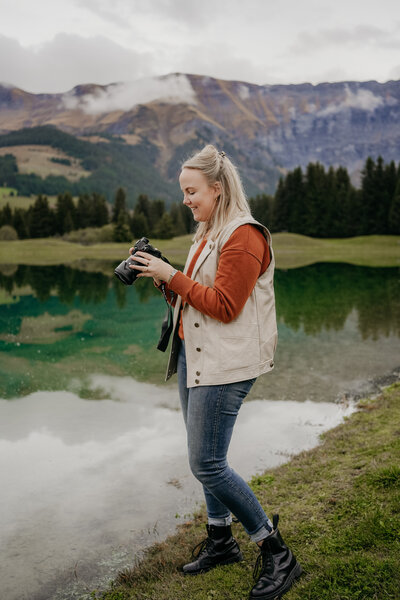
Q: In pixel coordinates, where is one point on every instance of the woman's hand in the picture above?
(151, 266)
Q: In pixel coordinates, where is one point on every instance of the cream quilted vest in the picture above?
(217, 352)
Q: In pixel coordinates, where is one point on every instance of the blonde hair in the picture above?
(232, 202)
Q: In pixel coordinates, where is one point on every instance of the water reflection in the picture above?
(59, 323)
(314, 297)
(85, 484)
(322, 296)
(66, 283)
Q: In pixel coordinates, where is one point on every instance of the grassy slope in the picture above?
(292, 250)
(33, 158)
(20, 201)
(339, 507)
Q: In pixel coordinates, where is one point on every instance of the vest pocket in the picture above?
(240, 348)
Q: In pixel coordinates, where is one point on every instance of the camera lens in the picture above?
(125, 273)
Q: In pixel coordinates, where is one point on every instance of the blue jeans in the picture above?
(210, 414)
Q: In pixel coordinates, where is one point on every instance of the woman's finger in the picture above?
(144, 255)
(141, 260)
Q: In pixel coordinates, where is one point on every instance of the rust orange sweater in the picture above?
(244, 257)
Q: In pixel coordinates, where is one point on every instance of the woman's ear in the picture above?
(218, 189)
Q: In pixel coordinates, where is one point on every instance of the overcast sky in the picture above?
(53, 45)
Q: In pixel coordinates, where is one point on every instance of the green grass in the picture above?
(339, 507)
(16, 201)
(6, 191)
(294, 250)
(291, 250)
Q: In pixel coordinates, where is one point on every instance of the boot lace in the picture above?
(264, 563)
(201, 547)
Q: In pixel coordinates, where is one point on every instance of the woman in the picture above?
(224, 338)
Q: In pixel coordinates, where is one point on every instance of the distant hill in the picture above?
(109, 163)
(136, 134)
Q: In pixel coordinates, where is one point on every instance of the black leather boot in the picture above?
(276, 568)
(219, 548)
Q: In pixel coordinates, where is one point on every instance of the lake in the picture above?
(92, 446)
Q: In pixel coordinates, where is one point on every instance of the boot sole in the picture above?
(231, 561)
(295, 574)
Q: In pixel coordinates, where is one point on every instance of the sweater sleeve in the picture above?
(243, 258)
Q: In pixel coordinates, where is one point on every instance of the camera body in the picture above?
(127, 275)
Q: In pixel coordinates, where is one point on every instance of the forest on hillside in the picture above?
(112, 163)
(317, 202)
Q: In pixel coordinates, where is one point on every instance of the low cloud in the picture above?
(362, 99)
(124, 96)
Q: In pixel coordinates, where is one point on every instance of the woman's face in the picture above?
(197, 194)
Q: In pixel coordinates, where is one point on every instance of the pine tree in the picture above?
(390, 184)
(64, 206)
(8, 170)
(42, 219)
(382, 200)
(394, 212)
(6, 217)
(315, 197)
(177, 220)
(100, 211)
(157, 210)
(119, 207)
(164, 230)
(341, 221)
(280, 208)
(328, 207)
(68, 224)
(121, 231)
(20, 223)
(142, 207)
(261, 209)
(139, 226)
(83, 212)
(295, 200)
(368, 196)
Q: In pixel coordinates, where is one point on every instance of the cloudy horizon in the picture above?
(48, 49)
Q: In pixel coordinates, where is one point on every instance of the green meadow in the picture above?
(291, 250)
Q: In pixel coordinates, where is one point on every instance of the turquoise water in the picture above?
(59, 324)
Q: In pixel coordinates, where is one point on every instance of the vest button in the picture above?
(197, 373)
(197, 325)
(198, 349)
(197, 381)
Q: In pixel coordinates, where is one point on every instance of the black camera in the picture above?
(128, 275)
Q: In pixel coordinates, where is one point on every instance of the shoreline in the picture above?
(291, 250)
(364, 449)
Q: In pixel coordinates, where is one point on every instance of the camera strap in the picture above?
(167, 324)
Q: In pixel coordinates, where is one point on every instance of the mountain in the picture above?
(266, 129)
